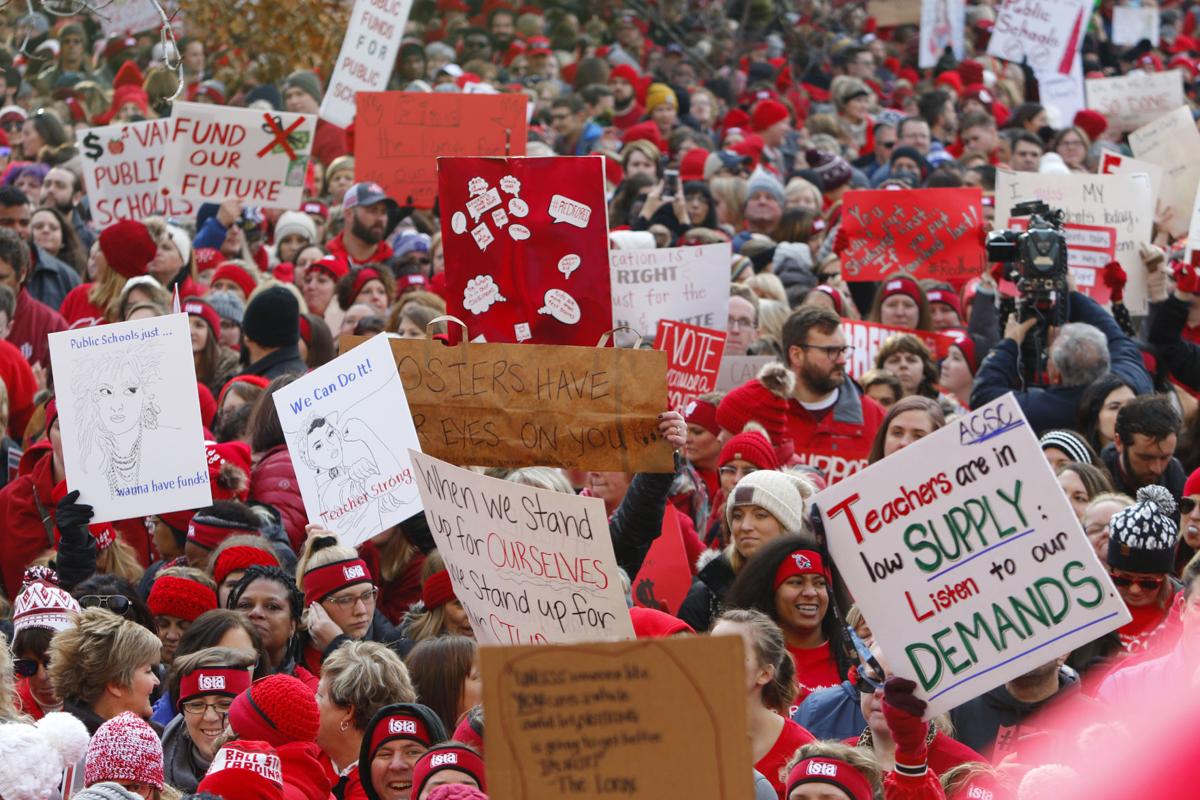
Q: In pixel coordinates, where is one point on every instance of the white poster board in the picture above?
(122, 17)
(686, 284)
(364, 64)
(1131, 24)
(348, 432)
(1116, 208)
(1172, 142)
(941, 27)
(1116, 164)
(121, 167)
(1062, 95)
(966, 559)
(1130, 101)
(736, 370)
(1043, 33)
(219, 152)
(129, 417)
(530, 566)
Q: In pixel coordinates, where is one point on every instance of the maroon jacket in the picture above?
(273, 481)
(32, 322)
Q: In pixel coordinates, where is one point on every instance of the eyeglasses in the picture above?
(831, 351)
(1186, 506)
(196, 708)
(28, 667)
(116, 603)
(1145, 584)
(348, 601)
(740, 322)
(740, 472)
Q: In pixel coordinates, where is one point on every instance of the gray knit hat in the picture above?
(307, 81)
(762, 181)
(1144, 534)
(782, 494)
(228, 306)
(106, 791)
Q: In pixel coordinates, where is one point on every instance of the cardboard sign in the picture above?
(368, 53)
(1133, 100)
(503, 405)
(219, 152)
(1116, 164)
(890, 13)
(123, 17)
(1132, 24)
(598, 721)
(529, 566)
(129, 417)
(1171, 142)
(121, 168)
(348, 433)
(1045, 34)
(966, 558)
(693, 360)
(665, 577)
(867, 337)
(685, 284)
(1122, 203)
(736, 370)
(925, 233)
(526, 244)
(941, 27)
(400, 135)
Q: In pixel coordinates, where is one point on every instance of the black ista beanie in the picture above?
(272, 318)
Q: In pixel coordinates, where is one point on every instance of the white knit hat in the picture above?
(42, 604)
(782, 494)
(33, 757)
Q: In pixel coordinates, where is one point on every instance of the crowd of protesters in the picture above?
(227, 651)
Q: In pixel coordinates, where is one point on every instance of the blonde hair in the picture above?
(770, 648)
(767, 286)
(190, 573)
(771, 316)
(547, 478)
(366, 676)
(797, 188)
(858, 758)
(731, 191)
(120, 559)
(106, 291)
(317, 552)
(427, 623)
(9, 712)
(101, 649)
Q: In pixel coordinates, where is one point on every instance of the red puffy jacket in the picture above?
(25, 536)
(273, 481)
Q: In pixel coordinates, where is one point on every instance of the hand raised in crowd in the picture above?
(1017, 330)
(672, 428)
(229, 211)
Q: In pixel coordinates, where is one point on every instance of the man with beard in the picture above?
(366, 208)
(627, 112)
(63, 189)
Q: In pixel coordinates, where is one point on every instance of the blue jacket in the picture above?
(833, 713)
(1055, 406)
(49, 278)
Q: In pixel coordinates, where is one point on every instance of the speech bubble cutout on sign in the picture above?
(568, 264)
(458, 222)
(561, 306)
(518, 232)
(481, 293)
(564, 209)
(510, 184)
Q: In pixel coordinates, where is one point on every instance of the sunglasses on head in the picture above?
(116, 603)
(28, 667)
(1146, 584)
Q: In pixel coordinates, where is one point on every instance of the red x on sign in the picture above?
(272, 126)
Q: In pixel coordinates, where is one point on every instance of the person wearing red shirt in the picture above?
(302, 95)
(627, 111)
(367, 209)
(32, 321)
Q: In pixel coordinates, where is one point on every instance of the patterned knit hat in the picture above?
(779, 493)
(175, 596)
(42, 604)
(1070, 443)
(832, 169)
(277, 709)
(125, 748)
(1144, 534)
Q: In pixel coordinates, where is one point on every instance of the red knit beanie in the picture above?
(277, 709)
(443, 757)
(1093, 122)
(174, 596)
(1192, 486)
(650, 623)
(237, 275)
(237, 558)
(127, 247)
(196, 307)
(228, 470)
(902, 284)
(766, 113)
(247, 770)
(124, 749)
(749, 446)
(624, 72)
(762, 400)
(946, 297)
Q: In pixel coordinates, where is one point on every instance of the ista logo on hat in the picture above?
(690, 408)
(354, 572)
(212, 682)
(825, 768)
(402, 726)
(443, 759)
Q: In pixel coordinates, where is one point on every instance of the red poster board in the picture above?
(665, 577)
(925, 233)
(693, 360)
(398, 136)
(526, 245)
(1089, 248)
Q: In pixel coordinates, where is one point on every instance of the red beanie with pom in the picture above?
(174, 596)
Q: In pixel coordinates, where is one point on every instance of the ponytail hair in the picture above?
(771, 650)
(319, 551)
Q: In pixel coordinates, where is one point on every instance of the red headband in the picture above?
(459, 758)
(943, 296)
(227, 681)
(799, 562)
(437, 590)
(704, 414)
(364, 276)
(239, 557)
(209, 536)
(399, 726)
(903, 285)
(323, 581)
(835, 773)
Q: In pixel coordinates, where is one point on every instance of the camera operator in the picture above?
(1090, 345)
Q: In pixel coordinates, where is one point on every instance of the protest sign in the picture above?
(121, 168)
(693, 360)
(966, 557)
(1094, 206)
(867, 337)
(736, 370)
(926, 233)
(1193, 240)
(400, 135)
(599, 721)
(890, 13)
(665, 577)
(1171, 142)
(1045, 34)
(528, 565)
(1062, 95)
(685, 284)
(123, 17)
(941, 28)
(1116, 164)
(368, 53)
(1131, 24)
(217, 152)
(1130, 101)
(348, 432)
(531, 262)
(129, 417)
(504, 405)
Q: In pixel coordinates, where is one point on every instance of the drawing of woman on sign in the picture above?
(116, 409)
